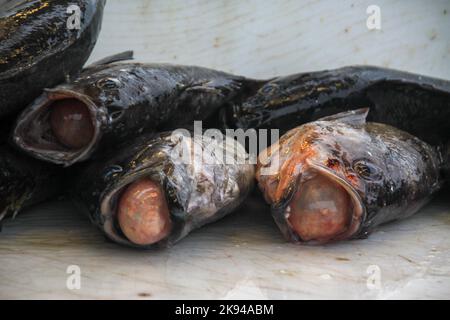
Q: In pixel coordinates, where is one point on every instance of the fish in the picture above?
(114, 100)
(155, 190)
(414, 103)
(340, 177)
(25, 181)
(42, 44)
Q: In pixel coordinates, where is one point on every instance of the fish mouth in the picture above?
(324, 208)
(135, 212)
(62, 126)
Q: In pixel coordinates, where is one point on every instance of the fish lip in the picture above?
(65, 158)
(359, 211)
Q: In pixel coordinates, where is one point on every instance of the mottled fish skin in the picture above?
(25, 181)
(128, 99)
(392, 173)
(197, 192)
(417, 104)
(37, 50)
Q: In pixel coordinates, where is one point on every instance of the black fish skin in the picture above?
(128, 99)
(400, 174)
(25, 181)
(37, 50)
(195, 196)
(417, 104)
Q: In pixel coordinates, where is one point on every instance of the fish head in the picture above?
(66, 123)
(324, 177)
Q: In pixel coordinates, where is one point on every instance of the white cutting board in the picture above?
(258, 38)
(241, 256)
(244, 255)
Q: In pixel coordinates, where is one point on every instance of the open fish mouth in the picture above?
(135, 211)
(324, 207)
(62, 126)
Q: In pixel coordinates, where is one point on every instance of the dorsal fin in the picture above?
(354, 117)
(126, 55)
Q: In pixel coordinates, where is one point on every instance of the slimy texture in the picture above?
(320, 210)
(143, 214)
(71, 123)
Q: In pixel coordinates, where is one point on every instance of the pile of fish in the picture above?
(360, 146)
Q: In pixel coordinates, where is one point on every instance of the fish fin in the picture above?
(126, 55)
(3, 214)
(354, 117)
(8, 212)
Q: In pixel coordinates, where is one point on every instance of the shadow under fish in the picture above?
(340, 177)
(111, 102)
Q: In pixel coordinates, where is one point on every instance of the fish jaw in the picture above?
(34, 135)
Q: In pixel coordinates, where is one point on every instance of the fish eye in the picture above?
(108, 83)
(269, 89)
(366, 170)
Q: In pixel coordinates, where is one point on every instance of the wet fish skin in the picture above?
(37, 50)
(196, 195)
(403, 171)
(129, 99)
(25, 181)
(414, 103)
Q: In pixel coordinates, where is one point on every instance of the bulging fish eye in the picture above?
(366, 170)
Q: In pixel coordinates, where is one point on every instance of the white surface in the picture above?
(241, 256)
(268, 38)
(244, 256)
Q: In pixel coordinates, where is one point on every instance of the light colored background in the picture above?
(244, 255)
(267, 38)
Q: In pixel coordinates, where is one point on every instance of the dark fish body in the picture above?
(38, 50)
(24, 181)
(6, 125)
(198, 191)
(128, 99)
(354, 176)
(417, 104)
